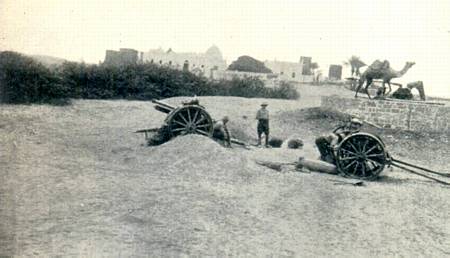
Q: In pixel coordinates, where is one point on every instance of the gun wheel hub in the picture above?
(190, 119)
(361, 155)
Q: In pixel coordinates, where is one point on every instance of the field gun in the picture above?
(364, 156)
(188, 118)
(359, 156)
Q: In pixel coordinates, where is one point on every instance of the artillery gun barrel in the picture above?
(312, 165)
(162, 104)
(163, 109)
(372, 124)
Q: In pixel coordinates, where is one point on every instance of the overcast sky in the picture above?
(328, 31)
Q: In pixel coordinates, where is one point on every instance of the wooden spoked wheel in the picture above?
(189, 120)
(361, 156)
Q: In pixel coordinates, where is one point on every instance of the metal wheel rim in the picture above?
(361, 156)
(190, 120)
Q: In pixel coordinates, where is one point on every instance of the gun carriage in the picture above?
(364, 156)
(188, 118)
(359, 155)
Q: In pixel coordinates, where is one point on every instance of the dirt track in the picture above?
(76, 182)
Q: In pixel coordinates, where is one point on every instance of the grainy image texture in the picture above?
(224, 128)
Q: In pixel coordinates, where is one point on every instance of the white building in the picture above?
(200, 63)
(211, 64)
(288, 71)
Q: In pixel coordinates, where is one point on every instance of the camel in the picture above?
(381, 70)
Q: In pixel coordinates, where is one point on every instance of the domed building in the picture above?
(211, 60)
(214, 52)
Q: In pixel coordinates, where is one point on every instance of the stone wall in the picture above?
(396, 114)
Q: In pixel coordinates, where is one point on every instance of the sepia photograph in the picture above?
(224, 128)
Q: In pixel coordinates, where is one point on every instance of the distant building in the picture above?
(335, 72)
(212, 64)
(121, 57)
(306, 62)
(200, 63)
(281, 71)
(288, 71)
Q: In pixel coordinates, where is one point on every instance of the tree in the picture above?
(355, 63)
(24, 80)
(313, 67)
(248, 64)
(317, 76)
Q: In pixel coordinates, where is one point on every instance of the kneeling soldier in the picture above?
(220, 131)
(328, 144)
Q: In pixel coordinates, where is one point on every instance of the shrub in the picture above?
(248, 64)
(295, 143)
(23, 80)
(250, 88)
(284, 91)
(275, 142)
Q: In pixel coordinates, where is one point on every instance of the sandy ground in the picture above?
(76, 181)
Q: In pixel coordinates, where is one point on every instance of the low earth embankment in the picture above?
(77, 181)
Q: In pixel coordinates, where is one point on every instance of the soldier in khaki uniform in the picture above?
(221, 132)
(263, 123)
(327, 144)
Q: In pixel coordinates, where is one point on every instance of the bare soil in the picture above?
(76, 181)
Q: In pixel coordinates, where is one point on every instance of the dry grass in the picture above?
(77, 182)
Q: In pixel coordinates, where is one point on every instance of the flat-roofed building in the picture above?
(121, 57)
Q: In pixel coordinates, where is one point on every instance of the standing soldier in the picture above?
(220, 131)
(263, 123)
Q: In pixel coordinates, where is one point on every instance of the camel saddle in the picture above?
(378, 65)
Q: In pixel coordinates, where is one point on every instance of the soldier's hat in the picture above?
(264, 104)
(356, 121)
